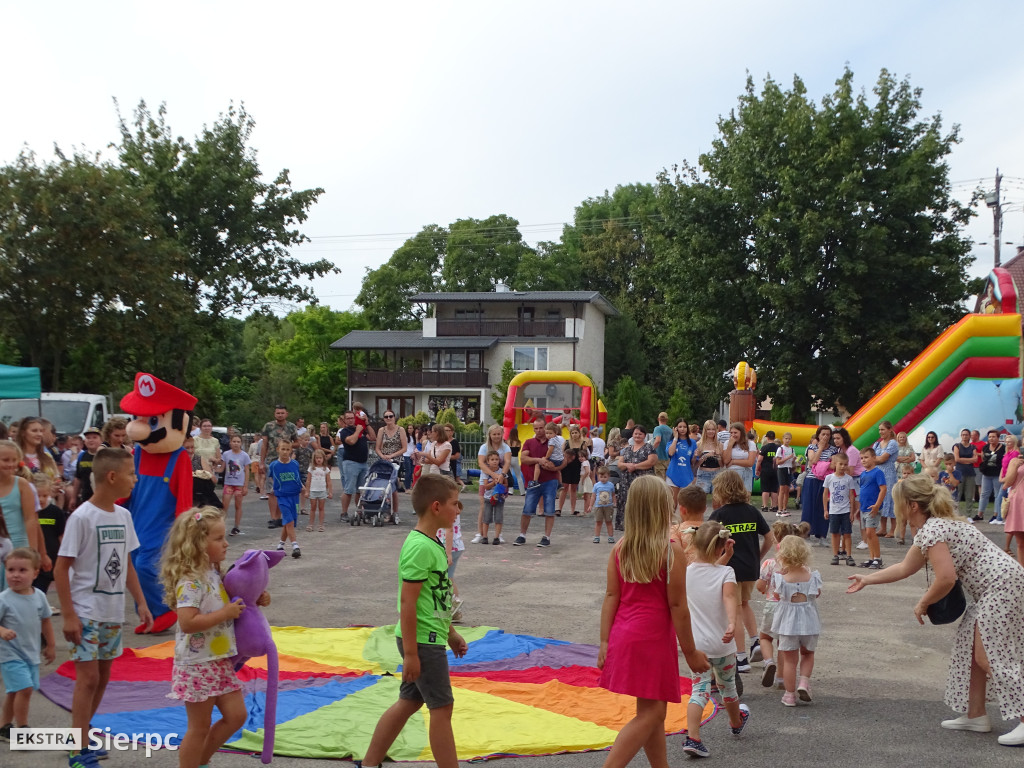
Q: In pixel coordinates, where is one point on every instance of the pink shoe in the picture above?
(803, 689)
(788, 699)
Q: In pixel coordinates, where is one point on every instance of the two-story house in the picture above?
(455, 359)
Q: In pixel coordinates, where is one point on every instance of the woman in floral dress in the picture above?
(989, 645)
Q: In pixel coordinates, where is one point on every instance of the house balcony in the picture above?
(421, 379)
(511, 326)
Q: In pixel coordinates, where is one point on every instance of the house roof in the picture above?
(410, 340)
(518, 297)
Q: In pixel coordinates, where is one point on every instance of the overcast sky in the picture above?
(414, 113)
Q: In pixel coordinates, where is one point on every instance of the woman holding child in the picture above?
(886, 453)
(819, 456)
(989, 644)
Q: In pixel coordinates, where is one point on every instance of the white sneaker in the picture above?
(977, 724)
(477, 539)
(501, 539)
(1014, 738)
(862, 545)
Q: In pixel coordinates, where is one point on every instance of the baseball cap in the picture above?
(92, 431)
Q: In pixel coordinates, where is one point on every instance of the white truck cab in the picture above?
(70, 412)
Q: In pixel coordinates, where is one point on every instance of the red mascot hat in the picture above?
(152, 397)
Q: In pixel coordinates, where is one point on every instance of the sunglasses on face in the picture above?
(389, 415)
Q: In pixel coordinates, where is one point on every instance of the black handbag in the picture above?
(949, 608)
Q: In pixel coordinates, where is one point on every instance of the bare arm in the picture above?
(680, 610)
(609, 608)
(911, 564)
(135, 590)
(354, 437)
(191, 620)
(407, 617)
(72, 625)
(729, 598)
(767, 544)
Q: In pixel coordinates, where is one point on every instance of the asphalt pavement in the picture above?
(877, 686)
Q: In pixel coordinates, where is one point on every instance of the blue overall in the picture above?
(152, 506)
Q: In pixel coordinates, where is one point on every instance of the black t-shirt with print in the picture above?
(747, 525)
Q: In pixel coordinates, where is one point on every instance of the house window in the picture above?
(530, 358)
(469, 314)
(475, 360)
(448, 360)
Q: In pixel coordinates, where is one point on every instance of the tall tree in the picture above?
(415, 267)
(483, 252)
(231, 227)
(75, 241)
(823, 241)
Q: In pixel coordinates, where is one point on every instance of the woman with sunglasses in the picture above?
(391, 445)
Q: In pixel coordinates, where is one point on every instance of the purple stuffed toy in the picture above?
(247, 579)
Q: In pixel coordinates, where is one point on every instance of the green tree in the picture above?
(413, 268)
(823, 241)
(231, 228)
(500, 392)
(483, 252)
(631, 400)
(319, 373)
(76, 241)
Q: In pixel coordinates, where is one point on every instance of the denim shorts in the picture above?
(547, 490)
(840, 524)
(353, 475)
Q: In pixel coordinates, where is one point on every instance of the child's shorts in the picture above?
(101, 641)
(494, 513)
(871, 521)
(782, 473)
(206, 680)
(765, 627)
(314, 495)
(724, 670)
(795, 642)
(233, 490)
(604, 514)
(433, 687)
(840, 524)
(289, 509)
(19, 675)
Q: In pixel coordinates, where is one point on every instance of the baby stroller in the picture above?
(375, 496)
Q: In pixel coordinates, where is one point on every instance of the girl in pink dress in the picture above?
(644, 614)
(1014, 515)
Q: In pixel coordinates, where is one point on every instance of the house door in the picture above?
(402, 406)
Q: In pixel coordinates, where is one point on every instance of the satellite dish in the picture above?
(551, 390)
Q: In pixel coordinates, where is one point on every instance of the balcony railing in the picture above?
(423, 379)
(501, 327)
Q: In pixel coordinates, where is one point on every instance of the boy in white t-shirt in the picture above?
(93, 569)
(784, 456)
(840, 500)
(236, 479)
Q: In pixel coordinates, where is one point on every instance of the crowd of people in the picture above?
(676, 576)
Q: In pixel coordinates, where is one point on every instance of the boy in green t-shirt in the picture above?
(425, 617)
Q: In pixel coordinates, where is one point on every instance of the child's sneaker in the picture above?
(768, 677)
(876, 564)
(497, 540)
(862, 545)
(742, 663)
(755, 651)
(788, 699)
(835, 560)
(296, 552)
(82, 760)
(597, 539)
(476, 539)
(483, 540)
(611, 539)
(235, 531)
(744, 716)
(97, 754)
(520, 540)
(5, 731)
(850, 560)
(280, 546)
(803, 689)
(544, 542)
(695, 748)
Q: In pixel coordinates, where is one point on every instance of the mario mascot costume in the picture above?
(163, 416)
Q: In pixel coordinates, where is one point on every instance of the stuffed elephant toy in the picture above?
(247, 579)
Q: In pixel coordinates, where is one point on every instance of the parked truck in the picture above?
(70, 412)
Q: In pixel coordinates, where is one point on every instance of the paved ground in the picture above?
(878, 681)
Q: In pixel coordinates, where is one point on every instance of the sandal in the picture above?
(321, 529)
(309, 528)
(902, 542)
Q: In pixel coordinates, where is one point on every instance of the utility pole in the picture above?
(992, 201)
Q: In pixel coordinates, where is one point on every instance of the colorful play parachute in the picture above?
(514, 695)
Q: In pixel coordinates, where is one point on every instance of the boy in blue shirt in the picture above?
(951, 477)
(287, 486)
(604, 504)
(872, 494)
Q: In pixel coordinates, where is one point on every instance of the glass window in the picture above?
(530, 358)
(475, 361)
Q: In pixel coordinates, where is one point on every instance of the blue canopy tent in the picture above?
(21, 383)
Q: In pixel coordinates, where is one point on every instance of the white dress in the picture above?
(995, 581)
(800, 618)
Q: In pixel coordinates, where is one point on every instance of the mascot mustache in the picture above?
(154, 437)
